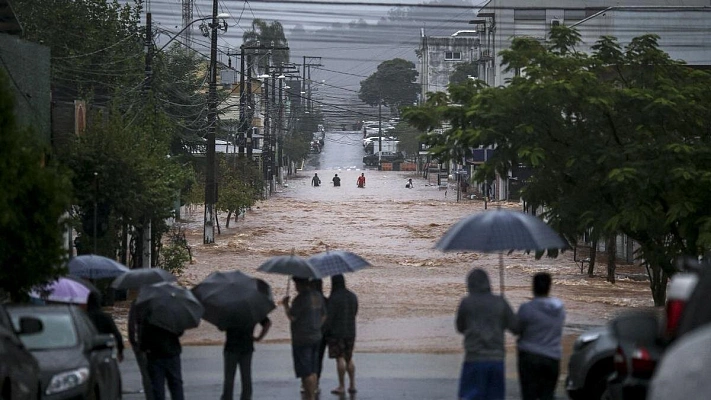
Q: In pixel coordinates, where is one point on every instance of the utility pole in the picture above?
(242, 105)
(210, 184)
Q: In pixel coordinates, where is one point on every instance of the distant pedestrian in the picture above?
(409, 184)
(342, 308)
(134, 335)
(361, 181)
(482, 318)
(307, 315)
(539, 344)
(162, 348)
(103, 322)
(238, 350)
(315, 181)
(336, 181)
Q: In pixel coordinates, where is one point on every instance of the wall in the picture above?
(28, 67)
(435, 68)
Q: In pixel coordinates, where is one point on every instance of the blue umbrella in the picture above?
(499, 231)
(337, 262)
(91, 266)
(290, 265)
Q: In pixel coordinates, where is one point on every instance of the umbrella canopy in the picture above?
(232, 299)
(169, 306)
(337, 262)
(290, 265)
(499, 231)
(63, 290)
(135, 278)
(91, 266)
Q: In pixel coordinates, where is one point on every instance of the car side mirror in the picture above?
(103, 342)
(30, 325)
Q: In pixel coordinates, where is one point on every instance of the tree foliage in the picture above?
(617, 140)
(464, 71)
(34, 196)
(393, 84)
(96, 45)
(265, 34)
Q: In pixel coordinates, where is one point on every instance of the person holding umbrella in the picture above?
(307, 314)
(341, 311)
(238, 350)
(482, 318)
(162, 348)
(103, 322)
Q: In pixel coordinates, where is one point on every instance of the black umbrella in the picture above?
(499, 231)
(136, 278)
(92, 266)
(232, 299)
(169, 306)
(290, 265)
(337, 262)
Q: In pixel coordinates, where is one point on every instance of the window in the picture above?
(452, 55)
(574, 15)
(530, 14)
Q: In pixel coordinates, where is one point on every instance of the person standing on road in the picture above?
(134, 334)
(103, 322)
(307, 315)
(238, 350)
(341, 311)
(409, 184)
(317, 286)
(336, 181)
(315, 181)
(162, 348)
(539, 342)
(482, 318)
(361, 181)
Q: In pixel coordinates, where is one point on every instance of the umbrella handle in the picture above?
(288, 284)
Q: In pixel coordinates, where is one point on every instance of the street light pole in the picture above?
(210, 184)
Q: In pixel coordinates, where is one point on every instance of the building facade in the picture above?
(440, 55)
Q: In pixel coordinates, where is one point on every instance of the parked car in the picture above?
(591, 364)
(75, 361)
(19, 370)
(683, 369)
(643, 337)
(384, 156)
(617, 361)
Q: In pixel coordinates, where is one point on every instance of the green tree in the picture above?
(240, 186)
(464, 71)
(393, 85)
(96, 45)
(616, 141)
(267, 35)
(33, 198)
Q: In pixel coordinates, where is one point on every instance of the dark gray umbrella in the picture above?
(290, 265)
(169, 306)
(92, 266)
(499, 231)
(336, 262)
(136, 278)
(232, 299)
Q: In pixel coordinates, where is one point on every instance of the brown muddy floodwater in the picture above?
(408, 299)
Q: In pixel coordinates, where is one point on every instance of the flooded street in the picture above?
(409, 297)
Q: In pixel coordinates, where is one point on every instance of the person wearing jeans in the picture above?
(238, 350)
(162, 349)
(539, 344)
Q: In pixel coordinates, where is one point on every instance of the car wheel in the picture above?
(94, 394)
(597, 388)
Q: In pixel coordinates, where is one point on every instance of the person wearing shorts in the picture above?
(307, 314)
(341, 313)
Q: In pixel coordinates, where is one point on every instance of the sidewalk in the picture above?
(379, 376)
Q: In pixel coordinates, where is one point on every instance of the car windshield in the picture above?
(57, 332)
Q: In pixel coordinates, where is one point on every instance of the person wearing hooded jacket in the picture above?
(482, 317)
(539, 342)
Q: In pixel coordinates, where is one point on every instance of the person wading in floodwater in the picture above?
(361, 181)
(336, 181)
(315, 181)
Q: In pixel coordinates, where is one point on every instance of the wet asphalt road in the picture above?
(379, 376)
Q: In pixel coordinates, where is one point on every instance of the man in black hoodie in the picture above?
(162, 348)
(482, 318)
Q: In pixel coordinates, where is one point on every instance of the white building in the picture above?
(439, 56)
(683, 27)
